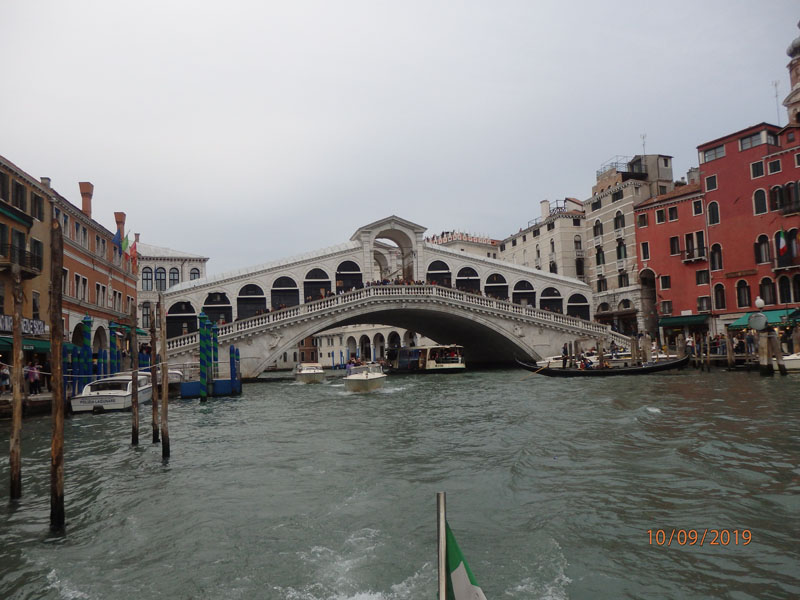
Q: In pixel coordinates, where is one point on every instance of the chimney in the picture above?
(545, 208)
(136, 235)
(87, 189)
(45, 181)
(119, 217)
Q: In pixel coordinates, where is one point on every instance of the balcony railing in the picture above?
(579, 253)
(791, 209)
(14, 255)
(695, 254)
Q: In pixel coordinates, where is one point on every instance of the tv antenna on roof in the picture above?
(644, 137)
(777, 105)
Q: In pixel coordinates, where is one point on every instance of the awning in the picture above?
(7, 344)
(774, 317)
(682, 320)
(126, 329)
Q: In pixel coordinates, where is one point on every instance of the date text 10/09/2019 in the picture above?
(699, 537)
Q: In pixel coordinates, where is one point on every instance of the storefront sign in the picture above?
(29, 326)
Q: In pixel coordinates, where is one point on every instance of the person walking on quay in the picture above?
(690, 345)
(751, 343)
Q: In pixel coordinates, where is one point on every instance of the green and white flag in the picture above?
(461, 584)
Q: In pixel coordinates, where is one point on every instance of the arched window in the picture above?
(619, 220)
(762, 249)
(713, 213)
(538, 252)
(622, 252)
(552, 245)
(578, 306)
(785, 290)
(467, 280)
(600, 256)
(161, 279)
(766, 290)
(719, 296)
(147, 279)
(194, 274)
(174, 276)
(742, 294)
(524, 293)
(496, 286)
(578, 242)
(760, 202)
(775, 198)
(597, 230)
(551, 300)
(716, 257)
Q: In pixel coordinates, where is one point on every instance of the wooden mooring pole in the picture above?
(154, 375)
(57, 515)
(15, 456)
(164, 381)
(134, 379)
(729, 350)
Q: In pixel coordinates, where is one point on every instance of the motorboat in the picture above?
(427, 359)
(790, 361)
(309, 373)
(112, 393)
(364, 378)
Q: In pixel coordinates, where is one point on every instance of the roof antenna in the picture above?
(644, 137)
(777, 105)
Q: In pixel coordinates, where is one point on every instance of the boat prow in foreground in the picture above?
(364, 378)
(657, 367)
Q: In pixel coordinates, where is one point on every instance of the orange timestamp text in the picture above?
(699, 537)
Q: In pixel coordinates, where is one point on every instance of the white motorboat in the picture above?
(365, 378)
(112, 393)
(309, 373)
(790, 361)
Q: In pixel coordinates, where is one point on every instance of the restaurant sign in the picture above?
(29, 326)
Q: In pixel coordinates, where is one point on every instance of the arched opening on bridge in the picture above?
(467, 280)
(352, 348)
(647, 280)
(284, 293)
(181, 319)
(394, 340)
(218, 308)
(496, 286)
(439, 274)
(405, 253)
(578, 306)
(524, 294)
(381, 269)
(364, 348)
(551, 300)
(317, 285)
(250, 302)
(379, 344)
(348, 277)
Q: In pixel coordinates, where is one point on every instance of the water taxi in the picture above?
(364, 378)
(309, 373)
(427, 359)
(112, 393)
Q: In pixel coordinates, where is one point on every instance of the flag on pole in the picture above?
(782, 247)
(125, 244)
(461, 584)
(134, 256)
(117, 241)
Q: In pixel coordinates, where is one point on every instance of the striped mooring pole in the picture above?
(203, 357)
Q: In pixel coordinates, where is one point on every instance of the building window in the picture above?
(713, 153)
(645, 250)
(662, 189)
(551, 225)
(514, 242)
(36, 306)
(602, 284)
(619, 221)
(145, 315)
(597, 229)
(750, 141)
(37, 208)
(161, 279)
(600, 257)
(622, 280)
(761, 249)
(147, 279)
(661, 216)
(535, 233)
(524, 238)
(195, 272)
(616, 196)
(697, 207)
(673, 213)
(776, 198)
(622, 251)
(703, 303)
(760, 202)
(674, 245)
(719, 296)
(666, 307)
(742, 294)
(716, 257)
(666, 282)
(642, 220)
(766, 290)
(597, 204)
(20, 197)
(701, 277)
(713, 213)
(576, 222)
(774, 166)
(797, 160)
(174, 276)
(711, 183)
(756, 169)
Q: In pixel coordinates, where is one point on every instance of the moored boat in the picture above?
(427, 359)
(364, 378)
(309, 373)
(656, 367)
(112, 393)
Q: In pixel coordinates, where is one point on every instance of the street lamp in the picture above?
(760, 303)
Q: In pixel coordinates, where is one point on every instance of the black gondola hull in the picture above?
(658, 367)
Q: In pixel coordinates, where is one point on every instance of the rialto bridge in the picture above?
(386, 274)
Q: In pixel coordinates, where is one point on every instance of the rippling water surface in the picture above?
(308, 493)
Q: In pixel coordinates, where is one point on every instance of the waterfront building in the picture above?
(621, 298)
(98, 279)
(26, 209)
(160, 269)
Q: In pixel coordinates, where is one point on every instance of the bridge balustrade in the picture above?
(391, 290)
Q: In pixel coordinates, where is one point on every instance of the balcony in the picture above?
(783, 263)
(619, 233)
(598, 240)
(579, 253)
(621, 264)
(537, 262)
(694, 254)
(600, 269)
(791, 209)
(30, 264)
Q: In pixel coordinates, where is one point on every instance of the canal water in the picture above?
(556, 489)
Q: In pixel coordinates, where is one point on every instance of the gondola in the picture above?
(665, 365)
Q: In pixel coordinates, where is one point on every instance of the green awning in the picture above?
(682, 320)
(773, 318)
(31, 344)
(126, 329)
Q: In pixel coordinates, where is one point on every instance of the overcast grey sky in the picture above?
(252, 131)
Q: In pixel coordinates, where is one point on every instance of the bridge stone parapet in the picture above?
(492, 331)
